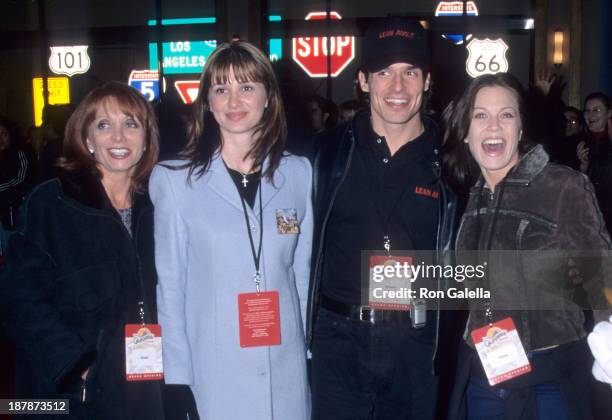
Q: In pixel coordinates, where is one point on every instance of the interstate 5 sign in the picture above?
(486, 56)
(455, 8)
(310, 53)
(146, 82)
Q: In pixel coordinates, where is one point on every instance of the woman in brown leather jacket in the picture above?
(532, 221)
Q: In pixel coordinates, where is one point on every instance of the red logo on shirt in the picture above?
(426, 192)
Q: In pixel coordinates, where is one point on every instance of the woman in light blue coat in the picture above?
(233, 223)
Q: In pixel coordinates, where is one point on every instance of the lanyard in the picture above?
(256, 255)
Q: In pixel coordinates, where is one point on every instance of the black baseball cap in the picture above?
(394, 40)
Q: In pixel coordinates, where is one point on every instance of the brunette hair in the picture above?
(459, 167)
(600, 96)
(248, 64)
(131, 102)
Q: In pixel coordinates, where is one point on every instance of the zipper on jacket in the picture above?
(442, 207)
(90, 372)
(139, 271)
(84, 391)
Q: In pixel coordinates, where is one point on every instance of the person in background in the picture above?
(35, 138)
(348, 109)
(16, 171)
(564, 151)
(544, 100)
(595, 152)
(323, 114)
(519, 201)
(233, 231)
(55, 118)
(79, 267)
(574, 122)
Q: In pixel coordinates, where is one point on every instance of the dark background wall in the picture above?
(82, 20)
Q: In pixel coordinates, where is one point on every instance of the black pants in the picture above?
(366, 371)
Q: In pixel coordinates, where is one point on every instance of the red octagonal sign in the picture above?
(311, 52)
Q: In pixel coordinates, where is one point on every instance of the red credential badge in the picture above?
(143, 352)
(501, 352)
(259, 319)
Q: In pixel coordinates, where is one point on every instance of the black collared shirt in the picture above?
(380, 189)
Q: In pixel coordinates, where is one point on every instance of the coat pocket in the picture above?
(89, 288)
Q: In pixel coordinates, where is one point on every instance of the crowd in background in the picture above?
(578, 138)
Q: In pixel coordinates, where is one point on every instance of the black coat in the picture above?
(331, 164)
(71, 280)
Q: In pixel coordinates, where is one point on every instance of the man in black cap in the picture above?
(377, 186)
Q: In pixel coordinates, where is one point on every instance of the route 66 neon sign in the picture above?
(486, 56)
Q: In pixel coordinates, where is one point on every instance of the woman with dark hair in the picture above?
(563, 150)
(16, 171)
(233, 237)
(595, 151)
(526, 354)
(79, 270)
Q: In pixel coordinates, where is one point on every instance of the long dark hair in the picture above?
(458, 166)
(132, 103)
(248, 64)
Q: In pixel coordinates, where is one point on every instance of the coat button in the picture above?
(385, 160)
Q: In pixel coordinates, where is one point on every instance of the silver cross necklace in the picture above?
(244, 181)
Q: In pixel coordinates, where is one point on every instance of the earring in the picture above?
(520, 135)
(465, 140)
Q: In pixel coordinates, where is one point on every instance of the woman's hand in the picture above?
(84, 374)
(545, 80)
(582, 151)
(600, 342)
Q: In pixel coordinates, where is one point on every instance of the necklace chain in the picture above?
(245, 180)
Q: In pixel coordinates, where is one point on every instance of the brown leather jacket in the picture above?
(541, 215)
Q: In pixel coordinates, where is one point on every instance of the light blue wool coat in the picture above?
(204, 261)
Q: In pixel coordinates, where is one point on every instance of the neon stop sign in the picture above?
(311, 53)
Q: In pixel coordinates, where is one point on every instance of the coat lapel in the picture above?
(221, 183)
(268, 189)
